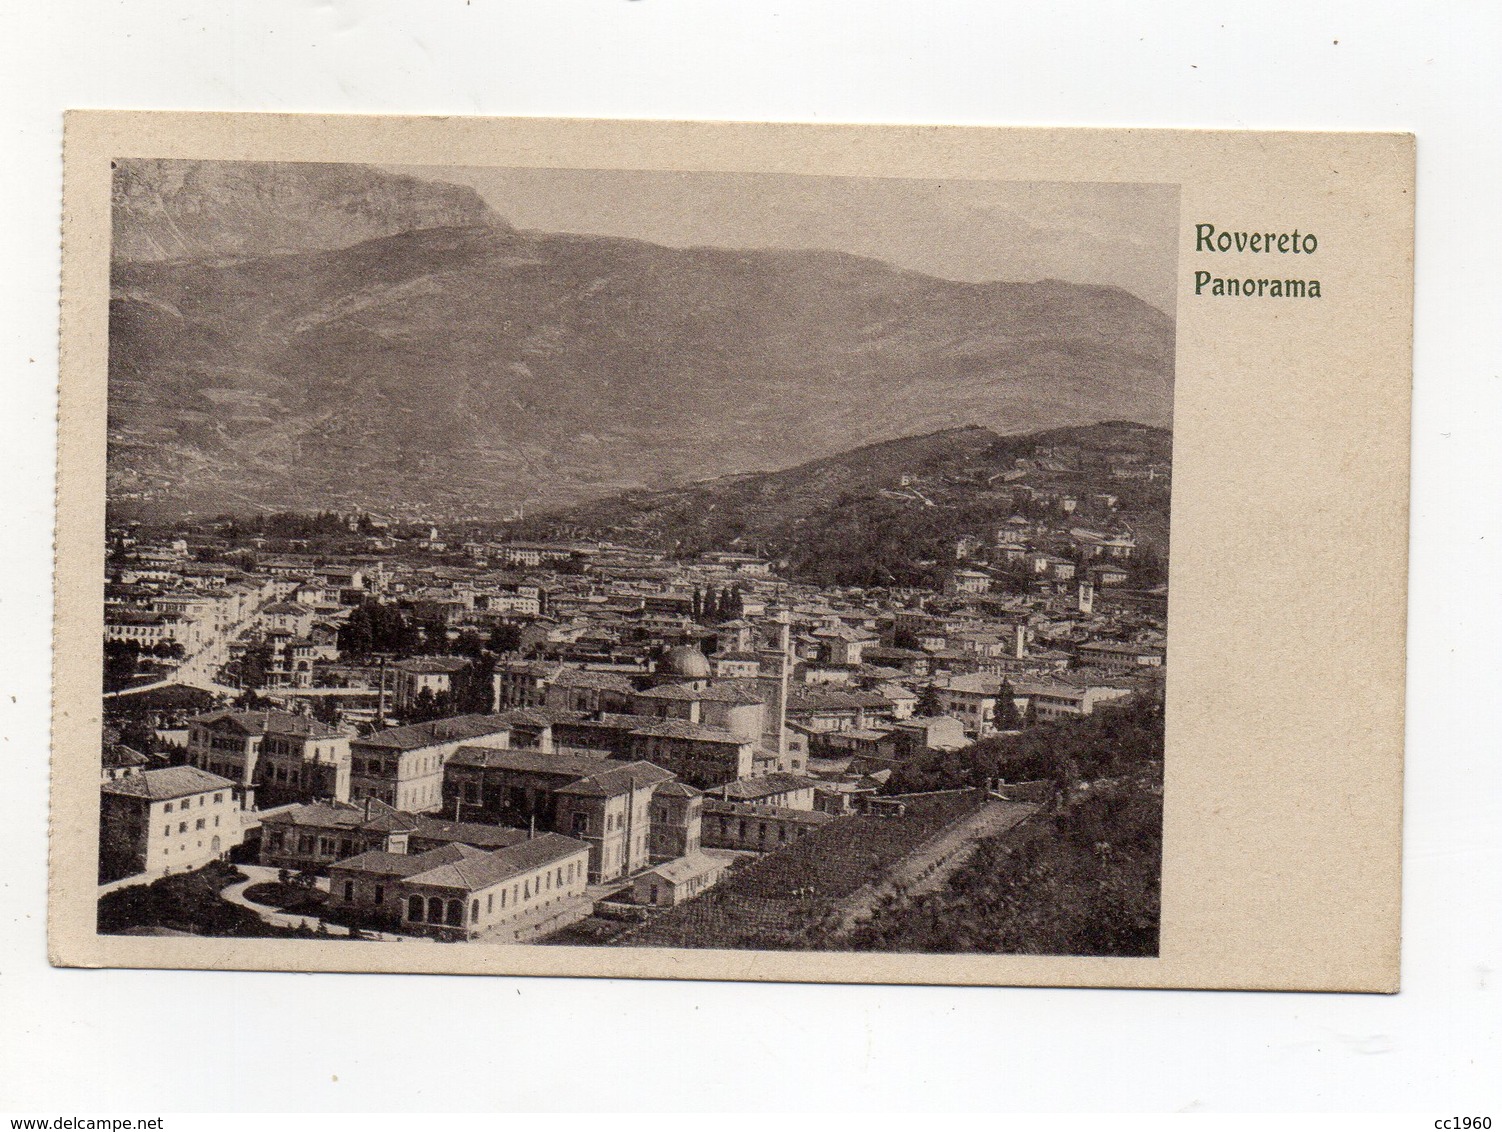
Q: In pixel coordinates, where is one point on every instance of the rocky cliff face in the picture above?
(166, 210)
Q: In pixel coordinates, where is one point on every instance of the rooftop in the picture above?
(748, 789)
(433, 665)
(619, 779)
(715, 693)
(267, 723)
(119, 755)
(680, 870)
(433, 732)
(976, 684)
(167, 783)
(341, 815)
(682, 729)
(473, 873)
(825, 698)
(726, 808)
(385, 864)
(586, 678)
(529, 761)
(676, 789)
(479, 835)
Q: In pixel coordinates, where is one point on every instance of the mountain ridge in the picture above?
(471, 369)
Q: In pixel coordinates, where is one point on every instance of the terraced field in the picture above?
(785, 899)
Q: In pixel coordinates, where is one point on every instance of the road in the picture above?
(933, 862)
(199, 669)
(262, 874)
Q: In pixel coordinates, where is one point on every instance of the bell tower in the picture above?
(1087, 597)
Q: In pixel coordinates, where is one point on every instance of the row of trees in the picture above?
(1116, 739)
(713, 606)
(1008, 718)
(399, 631)
(294, 525)
(123, 660)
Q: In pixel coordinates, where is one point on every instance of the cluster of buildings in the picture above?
(655, 719)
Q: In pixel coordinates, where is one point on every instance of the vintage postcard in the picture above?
(714, 550)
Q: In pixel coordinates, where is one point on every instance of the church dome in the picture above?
(685, 661)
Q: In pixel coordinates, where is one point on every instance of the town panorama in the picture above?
(904, 697)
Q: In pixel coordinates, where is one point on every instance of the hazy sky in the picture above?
(974, 231)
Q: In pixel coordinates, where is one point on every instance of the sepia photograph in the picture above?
(622, 558)
(730, 551)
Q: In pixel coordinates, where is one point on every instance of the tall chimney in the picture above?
(1021, 650)
(784, 647)
(381, 694)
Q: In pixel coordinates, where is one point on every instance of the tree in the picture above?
(1148, 567)
(928, 703)
(1085, 883)
(732, 606)
(504, 638)
(1007, 716)
(468, 643)
(1117, 739)
(435, 636)
(255, 666)
(474, 687)
(356, 637)
(137, 734)
(374, 627)
(424, 707)
(121, 659)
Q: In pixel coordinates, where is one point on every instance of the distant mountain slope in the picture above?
(165, 209)
(465, 370)
(875, 515)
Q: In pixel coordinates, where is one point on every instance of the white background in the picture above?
(146, 1042)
